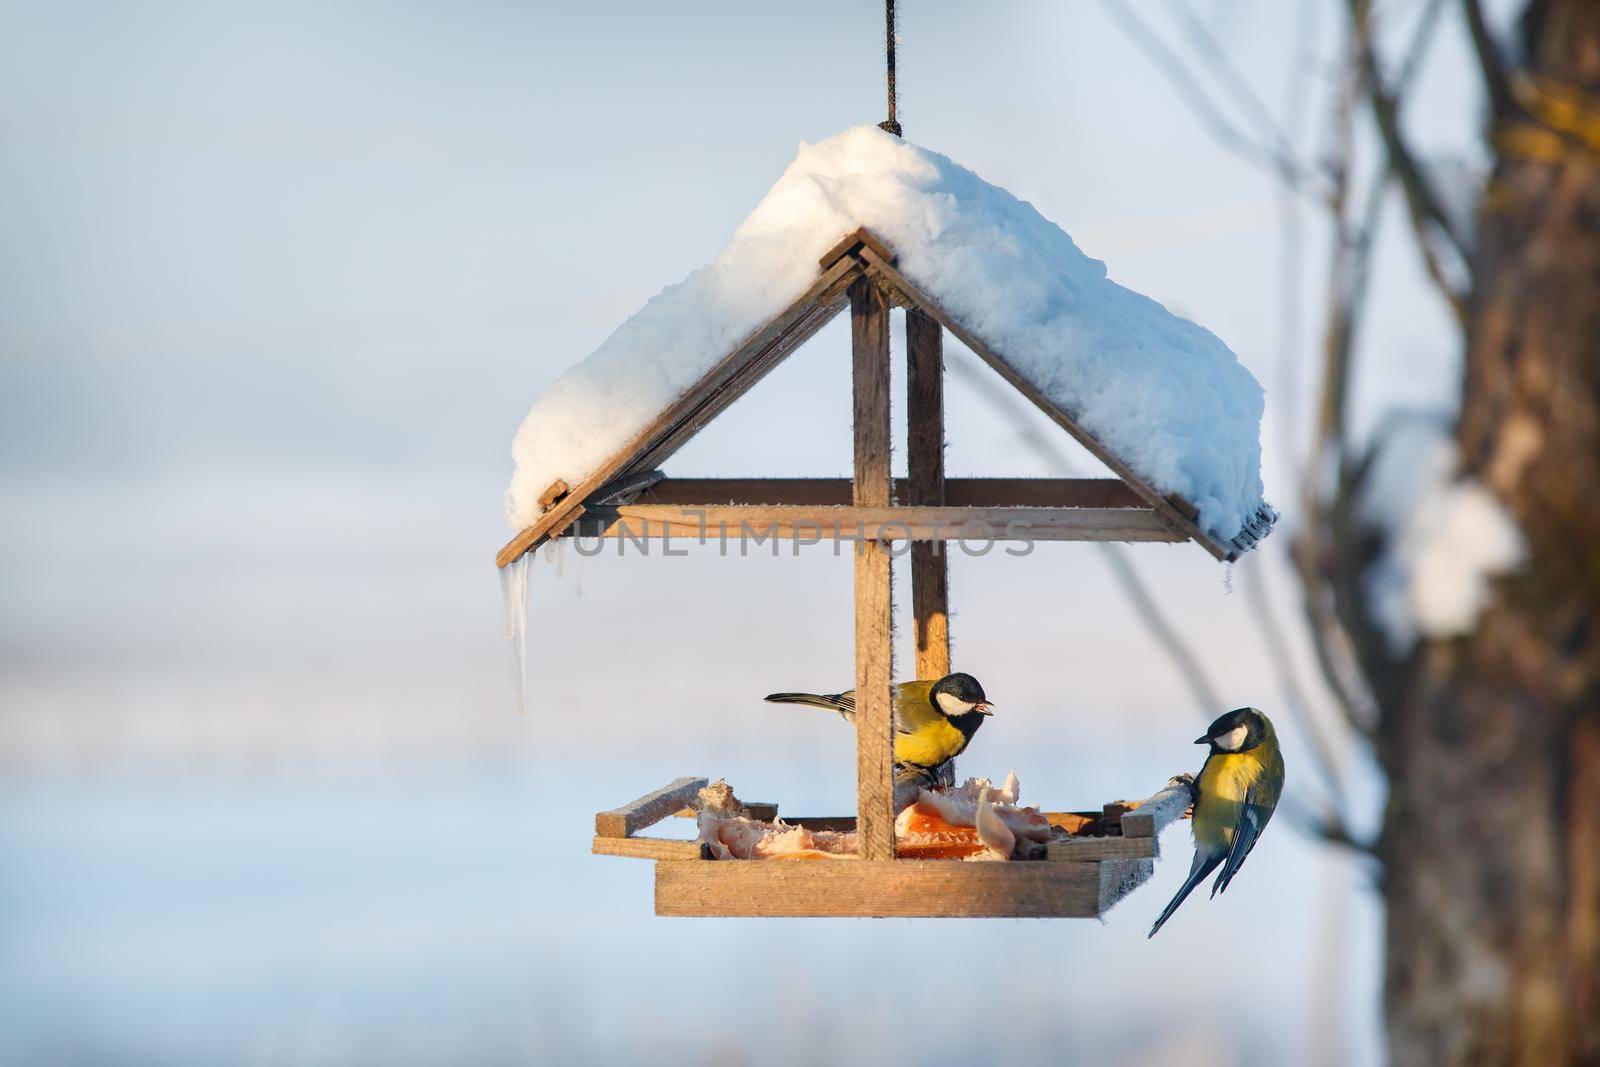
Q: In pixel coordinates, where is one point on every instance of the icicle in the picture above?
(1227, 578)
(583, 569)
(561, 558)
(514, 592)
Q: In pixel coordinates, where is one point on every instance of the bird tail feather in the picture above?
(1197, 874)
(810, 700)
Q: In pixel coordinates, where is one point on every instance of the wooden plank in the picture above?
(812, 525)
(930, 572)
(1095, 849)
(1157, 500)
(646, 848)
(869, 344)
(1149, 817)
(852, 243)
(648, 809)
(775, 338)
(1120, 877)
(881, 888)
(553, 492)
(958, 492)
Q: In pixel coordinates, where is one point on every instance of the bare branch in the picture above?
(1163, 632)
(1315, 551)
(1165, 635)
(1428, 217)
(1193, 93)
(1293, 693)
(1495, 83)
(1233, 82)
(1328, 827)
(1291, 256)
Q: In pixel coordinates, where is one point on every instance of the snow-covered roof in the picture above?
(1160, 393)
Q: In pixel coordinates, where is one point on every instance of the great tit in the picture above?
(933, 721)
(1237, 788)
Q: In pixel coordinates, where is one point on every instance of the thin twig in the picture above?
(1233, 82)
(1312, 553)
(1502, 105)
(1294, 694)
(1193, 93)
(1326, 827)
(1165, 635)
(1291, 258)
(1428, 217)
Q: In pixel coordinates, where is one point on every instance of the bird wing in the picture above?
(913, 707)
(1252, 820)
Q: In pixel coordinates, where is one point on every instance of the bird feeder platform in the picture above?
(1097, 857)
(1093, 860)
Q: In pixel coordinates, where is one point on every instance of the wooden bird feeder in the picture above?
(1096, 857)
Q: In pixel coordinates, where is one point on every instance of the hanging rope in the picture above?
(892, 125)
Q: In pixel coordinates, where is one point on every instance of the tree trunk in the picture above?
(1492, 836)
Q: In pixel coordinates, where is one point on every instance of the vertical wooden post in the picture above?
(930, 575)
(869, 336)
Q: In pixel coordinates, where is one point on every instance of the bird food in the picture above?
(973, 821)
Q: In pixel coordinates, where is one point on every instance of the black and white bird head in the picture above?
(1238, 731)
(960, 694)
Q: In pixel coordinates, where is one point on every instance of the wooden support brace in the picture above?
(958, 492)
(930, 572)
(645, 848)
(869, 333)
(1149, 817)
(800, 525)
(648, 809)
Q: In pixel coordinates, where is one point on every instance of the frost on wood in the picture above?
(1445, 537)
(1163, 394)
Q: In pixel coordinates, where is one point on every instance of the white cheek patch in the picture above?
(952, 706)
(1230, 741)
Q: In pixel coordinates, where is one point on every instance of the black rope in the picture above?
(892, 125)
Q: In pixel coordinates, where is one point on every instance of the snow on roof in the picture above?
(1161, 393)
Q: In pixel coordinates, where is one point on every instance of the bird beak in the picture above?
(982, 709)
(1202, 740)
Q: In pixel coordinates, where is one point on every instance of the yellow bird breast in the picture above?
(1223, 784)
(930, 745)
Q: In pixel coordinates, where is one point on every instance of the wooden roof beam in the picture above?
(1172, 508)
(813, 525)
(958, 492)
(732, 376)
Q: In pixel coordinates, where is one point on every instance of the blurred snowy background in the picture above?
(276, 287)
